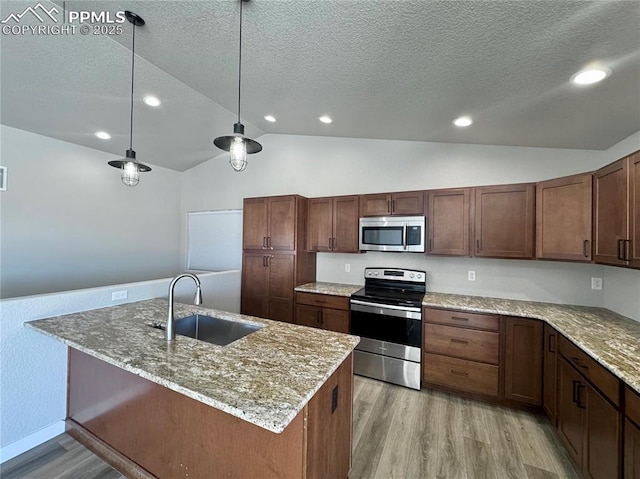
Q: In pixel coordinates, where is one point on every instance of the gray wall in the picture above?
(68, 222)
(319, 166)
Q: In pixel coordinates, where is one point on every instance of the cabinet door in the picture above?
(603, 433)
(255, 285)
(634, 209)
(407, 203)
(335, 320)
(280, 310)
(375, 205)
(308, 316)
(549, 375)
(255, 223)
(610, 189)
(504, 221)
(631, 451)
(571, 418)
(563, 218)
(281, 275)
(345, 224)
(282, 223)
(448, 222)
(320, 224)
(523, 361)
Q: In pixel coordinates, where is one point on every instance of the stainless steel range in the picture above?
(387, 315)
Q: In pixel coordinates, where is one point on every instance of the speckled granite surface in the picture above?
(265, 378)
(611, 339)
(335, 289)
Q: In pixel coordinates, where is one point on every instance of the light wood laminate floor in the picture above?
(397, 433)
(402, 433)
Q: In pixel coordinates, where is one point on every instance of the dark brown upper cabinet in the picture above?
(333, 224)
(563, 218)
(405, 203)
(504, 221)
(448, 222)
(616, 212)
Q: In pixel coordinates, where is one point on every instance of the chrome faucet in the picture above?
(171, 329)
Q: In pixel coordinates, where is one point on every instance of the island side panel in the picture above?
(171, 435)
(330, 426)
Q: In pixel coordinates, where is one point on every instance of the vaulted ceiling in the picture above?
(388, 69)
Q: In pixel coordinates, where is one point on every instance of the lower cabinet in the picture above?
(268, 282)
(323, 311)
(588, 421)
(523, 361)
(549, 372)
(631, 435)
(631, 450)
(461, 352)
(497, 357)
(267, 285)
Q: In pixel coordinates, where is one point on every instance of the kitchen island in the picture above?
(276, 403)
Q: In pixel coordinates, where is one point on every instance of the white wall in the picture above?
(33, 367)
(319, 166)
(68, 222)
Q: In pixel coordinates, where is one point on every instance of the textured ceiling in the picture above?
(388, 69)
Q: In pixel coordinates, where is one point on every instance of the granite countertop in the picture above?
(265, 378)
(611, 339)
(334, 289)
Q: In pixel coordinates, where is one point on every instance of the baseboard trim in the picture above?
(26, 443)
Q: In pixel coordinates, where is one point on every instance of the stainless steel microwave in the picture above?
(392, 233)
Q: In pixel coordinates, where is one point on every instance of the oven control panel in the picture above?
(397, 274)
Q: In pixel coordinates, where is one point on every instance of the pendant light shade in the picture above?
(130, 169)
(238, 145)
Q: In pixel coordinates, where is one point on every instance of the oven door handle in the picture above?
(386, 309)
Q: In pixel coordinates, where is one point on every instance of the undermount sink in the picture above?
(214, 330)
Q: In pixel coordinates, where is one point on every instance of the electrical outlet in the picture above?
(596, 283)
(116, 295)
(347, 268)
(471, 275)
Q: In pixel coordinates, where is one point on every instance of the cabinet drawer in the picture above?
(323, 300)
(462, 319)
(632, 405)
(464, 343)
(460, 374)
(608, 384)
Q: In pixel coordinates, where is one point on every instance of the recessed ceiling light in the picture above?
(270, 118)
(463, 121)
(151, 100)
(103, 135)
(590, 76)
(325, 119)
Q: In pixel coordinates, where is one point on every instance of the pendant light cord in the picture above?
(240, 61)
(133, 59)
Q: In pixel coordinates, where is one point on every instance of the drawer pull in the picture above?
(461, 341)
(578, 363)
(579, 403)
(458, 318)
(458, 373)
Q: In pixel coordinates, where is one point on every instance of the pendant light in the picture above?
(237, 144)
(130, 168)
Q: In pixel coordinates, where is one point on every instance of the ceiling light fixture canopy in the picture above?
(237, 144)
(130, 169)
